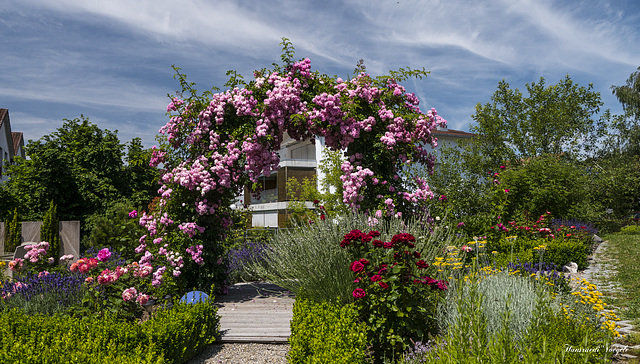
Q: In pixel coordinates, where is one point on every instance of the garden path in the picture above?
(255, 312)
(601, 272)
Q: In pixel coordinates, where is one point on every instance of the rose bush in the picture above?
(395, 295)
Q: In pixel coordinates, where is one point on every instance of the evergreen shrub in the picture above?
(327, 333)
(170, 336)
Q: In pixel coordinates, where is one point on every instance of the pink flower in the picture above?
(142, 299)
(16, 264)
(359, 293)
(133, 214)
(104, 255)
(376, 278)
(466, 249)
(129, 294)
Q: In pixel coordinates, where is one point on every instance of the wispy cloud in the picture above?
(111, 59)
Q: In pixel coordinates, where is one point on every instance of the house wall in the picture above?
(6, 147)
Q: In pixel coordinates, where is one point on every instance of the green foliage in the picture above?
(12, 232)
(60, 339)
(81, 168)
(559, 251)
(184, 330)
(546, 183)
(326, 333)
(630, 230)
(613, 184)
(114, 228)
(629, 94)
(503, 318)
(299, 193)
(550, 120)
(331, 184)
(50, 232)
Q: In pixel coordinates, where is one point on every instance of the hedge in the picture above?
(170, 336)
(326, 333)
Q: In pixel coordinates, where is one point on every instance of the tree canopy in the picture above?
(548, 120)
(82, 169)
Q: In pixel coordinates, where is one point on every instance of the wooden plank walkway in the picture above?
(255, 313)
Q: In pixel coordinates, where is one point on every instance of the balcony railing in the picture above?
(266, 196)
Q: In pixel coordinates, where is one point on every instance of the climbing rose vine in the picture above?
(216, 143)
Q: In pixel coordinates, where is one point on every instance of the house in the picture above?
(11, 144)
(301, 159)
(298, 159)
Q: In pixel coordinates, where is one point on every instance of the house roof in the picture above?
(18, 141)
(4, 113)
(453, 133)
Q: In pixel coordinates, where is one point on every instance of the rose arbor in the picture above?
(217, 143)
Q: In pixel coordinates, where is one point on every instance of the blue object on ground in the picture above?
(194, 297)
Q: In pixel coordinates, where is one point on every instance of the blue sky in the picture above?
(111, 60)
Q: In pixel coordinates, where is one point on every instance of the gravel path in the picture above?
(232, 353)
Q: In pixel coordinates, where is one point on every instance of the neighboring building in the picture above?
(11, 144)
(301, 160)
(297, 159)
(449, 138)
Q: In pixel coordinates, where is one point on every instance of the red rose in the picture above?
(422, 264)
(383, 285)
(357, 267)
(359, 293)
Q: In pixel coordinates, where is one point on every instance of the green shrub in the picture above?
(171, 336)
(114, 228)
(12, 233)
(631, 230)
(50, 232)
(183, 330)
(326, 333)
(559, 251)
(608, 226)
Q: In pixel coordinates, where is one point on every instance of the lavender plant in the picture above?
(43, 293)
(417, 354)
(248, 252)
(542, 270)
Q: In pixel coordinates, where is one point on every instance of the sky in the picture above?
(111, 61)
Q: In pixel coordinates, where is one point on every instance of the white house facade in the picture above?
(11, 144)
